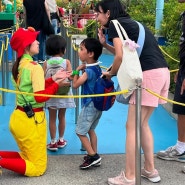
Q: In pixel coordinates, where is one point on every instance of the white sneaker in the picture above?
(151, 176)
(120, 180)
(171, 154)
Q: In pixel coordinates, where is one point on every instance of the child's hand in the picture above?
(61, 74)
(63, 83)
(69, 73)
(81, 67)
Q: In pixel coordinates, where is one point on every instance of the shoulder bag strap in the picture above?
(141, 37)
(120, 29)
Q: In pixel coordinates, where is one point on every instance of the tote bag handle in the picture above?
(141, 37)
(118, 28)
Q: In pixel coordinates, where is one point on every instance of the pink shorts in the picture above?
(156, 80)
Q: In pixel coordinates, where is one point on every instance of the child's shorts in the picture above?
(88, 119)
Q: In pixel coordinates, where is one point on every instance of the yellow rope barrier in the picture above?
(92, 95)
(67, 33)
(75, 47)
(172, 71)
(3, 46)
(7, 42)
(5, 30)
(168, 54)
(103, 67)
(2, 50)
(166, 99)
(64, 96)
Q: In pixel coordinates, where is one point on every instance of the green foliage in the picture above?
(91, 28)
(136, 9)
(144, 11)
(62, 4)
(171, 30)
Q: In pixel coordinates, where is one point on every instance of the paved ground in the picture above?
(63, 170)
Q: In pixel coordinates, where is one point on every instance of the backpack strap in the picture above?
(141, 38)
(96, 70)
(98, 74)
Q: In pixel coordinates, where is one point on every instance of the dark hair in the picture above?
(116, 8)
(93, 45)
(15, 69)
(55, 44)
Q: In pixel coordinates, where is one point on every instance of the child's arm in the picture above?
(79, 80)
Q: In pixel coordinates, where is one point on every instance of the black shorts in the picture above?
(179, 109)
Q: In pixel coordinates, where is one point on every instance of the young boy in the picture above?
(89, 52)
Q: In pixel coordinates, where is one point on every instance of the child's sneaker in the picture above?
(120, 180)
(151, 176)
(90, 161)
(61, 144)
(52, 147)
(95, 165)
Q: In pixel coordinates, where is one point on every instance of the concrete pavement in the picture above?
(64, 170)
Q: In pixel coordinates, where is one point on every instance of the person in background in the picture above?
(89, 52)
(156, 77)
(28, 120)
(70, 7)
(91, 7)
(34, 10)
(54, 14)
(56, 47)
(83, 3)
(177, 152)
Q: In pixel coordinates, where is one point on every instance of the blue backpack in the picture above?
(102, 86)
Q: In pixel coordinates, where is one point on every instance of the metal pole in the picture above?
(72, 52)
(77, 91)
(68, 49)
(159, 15)
(14, 55)
(62, 29)
(6, 60)
(138, 133)
(75, 64)
(3, 71)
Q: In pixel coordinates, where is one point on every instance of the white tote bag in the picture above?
(130, 68)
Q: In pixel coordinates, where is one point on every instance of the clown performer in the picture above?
(28, 120)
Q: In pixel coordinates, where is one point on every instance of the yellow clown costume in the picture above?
(30, 133)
